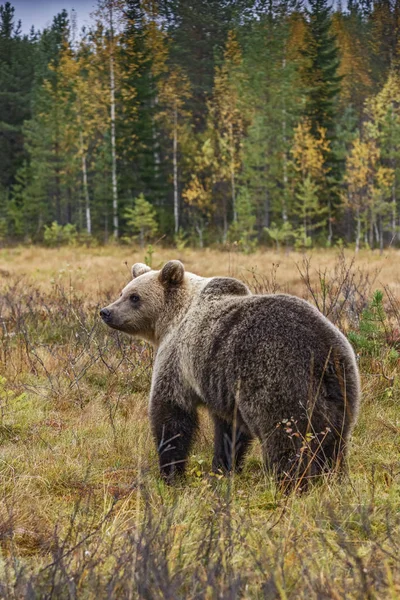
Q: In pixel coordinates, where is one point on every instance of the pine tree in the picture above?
(243, 228)
(142, 219)
(46, 197)
(17, 60)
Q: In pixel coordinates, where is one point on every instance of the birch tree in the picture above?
(109, 13)
(226, 124)
(174, 91)
(308, 159)
(383, 111)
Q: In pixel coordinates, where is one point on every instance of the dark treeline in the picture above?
(200, 122)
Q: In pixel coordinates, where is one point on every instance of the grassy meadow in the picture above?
(83, 512)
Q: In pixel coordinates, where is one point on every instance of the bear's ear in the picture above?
(139, 269)
(172, 273)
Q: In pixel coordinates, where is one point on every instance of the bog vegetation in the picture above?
(83, 512)
(200, 122)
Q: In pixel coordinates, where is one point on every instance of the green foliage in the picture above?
(198, 120)
(3, 229)
(59, 235)
(282, 235)
(320, 70)
(311, 214)
(302, 241)
(148, 259)
(181, 240)
(371, 339)
(141, 219)
(17, 60)
(243, 229)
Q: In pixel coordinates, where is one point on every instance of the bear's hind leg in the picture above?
(230, 445)
(297, 461)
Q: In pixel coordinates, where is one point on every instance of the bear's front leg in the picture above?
(173, 429)
(231, 443)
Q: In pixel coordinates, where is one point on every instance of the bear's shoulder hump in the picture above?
(225, 286)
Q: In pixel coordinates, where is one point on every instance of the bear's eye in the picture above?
(134, 298)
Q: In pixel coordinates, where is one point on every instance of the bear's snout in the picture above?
(105, 314)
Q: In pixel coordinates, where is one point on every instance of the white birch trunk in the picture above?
(285, 166)
(113, 145)
(85, 187)
(393, 211)
(175, 166)
(199, 230)
(233, 187)
(377, 231)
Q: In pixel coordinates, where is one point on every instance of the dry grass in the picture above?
(108, 268)
(83, 513)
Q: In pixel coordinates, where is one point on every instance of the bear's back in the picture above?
(279, 338)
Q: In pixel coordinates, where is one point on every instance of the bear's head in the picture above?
(151, 301)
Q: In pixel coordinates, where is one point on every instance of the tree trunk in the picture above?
(371, 231)
(106, 227)
(377, 231)
(175, 165)
(200, 232)
(85, 187)
(358, 234)
(393, 212)
(225, 218)
(58, 184)
(113, 144)
(57, 169)
(285, 168)
(330, 233)
(233, 190)
(266, 209)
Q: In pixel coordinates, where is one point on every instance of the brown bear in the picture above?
(265, 366)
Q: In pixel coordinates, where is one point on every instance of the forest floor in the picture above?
(83, 512)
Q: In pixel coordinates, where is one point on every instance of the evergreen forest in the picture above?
(203, 122)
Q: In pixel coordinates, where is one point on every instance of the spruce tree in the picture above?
(322, 81)
(16, 80)
(320, 69)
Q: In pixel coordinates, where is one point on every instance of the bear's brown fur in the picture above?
(266, 366)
